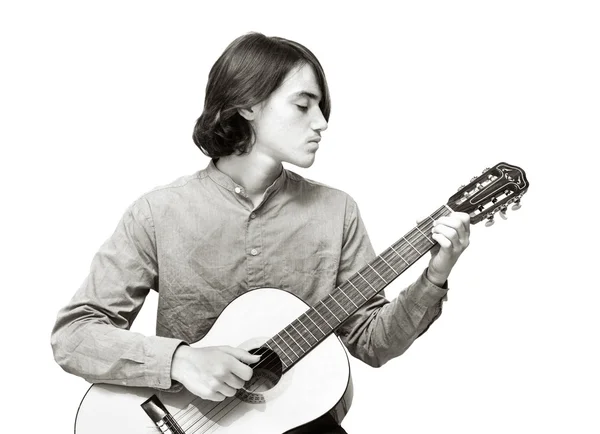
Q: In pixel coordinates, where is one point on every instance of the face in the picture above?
(289, 123)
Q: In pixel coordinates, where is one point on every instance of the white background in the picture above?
(98, 102)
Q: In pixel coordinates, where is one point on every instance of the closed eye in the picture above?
(302, 108)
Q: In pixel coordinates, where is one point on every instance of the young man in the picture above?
(243, 222)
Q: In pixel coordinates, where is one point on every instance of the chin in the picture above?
(304, 163)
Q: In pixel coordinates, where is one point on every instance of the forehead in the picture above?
(300, 82)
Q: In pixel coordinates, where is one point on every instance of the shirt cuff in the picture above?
(160, 357)
(427, 294)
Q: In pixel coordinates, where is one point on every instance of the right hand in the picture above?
(212, 373)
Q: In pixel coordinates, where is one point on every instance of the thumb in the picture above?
(241, 354)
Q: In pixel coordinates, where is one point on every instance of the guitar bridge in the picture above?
(161, 416)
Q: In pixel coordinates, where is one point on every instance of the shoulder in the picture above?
(183, 188)
(319, 189)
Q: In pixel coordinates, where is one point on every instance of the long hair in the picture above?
(247, 72)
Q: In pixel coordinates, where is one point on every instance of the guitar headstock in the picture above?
(492, 191)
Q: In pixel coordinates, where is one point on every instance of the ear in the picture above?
(247, 113)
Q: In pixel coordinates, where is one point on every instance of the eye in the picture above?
(302, 108)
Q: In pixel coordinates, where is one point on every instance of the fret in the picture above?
(282, 350)
(315, 324)
(386, 262)
(282, 361)
(285, 342)
(299, 346)
(426, 237)
(401, 257)
(385, 281)
(412, 245)
(339, 304)
(318, 313)
(308, 330)
(295, 335)
(302, 336)
(323, 303)
(357, 289)
(349, 299)
(367, 281)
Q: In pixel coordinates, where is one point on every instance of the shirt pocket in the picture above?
(311, 277)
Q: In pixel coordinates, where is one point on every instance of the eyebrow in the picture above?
(307, 94)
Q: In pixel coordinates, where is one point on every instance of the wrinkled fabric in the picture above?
(200, 242)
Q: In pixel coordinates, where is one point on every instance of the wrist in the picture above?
(179, 360)
(436, 278)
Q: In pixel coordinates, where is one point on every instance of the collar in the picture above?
(226, 182)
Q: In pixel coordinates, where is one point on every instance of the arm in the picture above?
(91, 337)
(382, 330)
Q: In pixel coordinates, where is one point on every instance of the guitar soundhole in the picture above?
(266, 374)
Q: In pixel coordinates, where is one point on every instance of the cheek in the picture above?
(281, 125)
(285, 125)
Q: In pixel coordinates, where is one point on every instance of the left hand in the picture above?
(452, 235)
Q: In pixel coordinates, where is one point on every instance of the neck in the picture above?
(252, 171)
(325, 316)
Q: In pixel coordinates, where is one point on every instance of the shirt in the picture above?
(200, 243)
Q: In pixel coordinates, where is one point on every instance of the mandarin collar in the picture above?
(225, 180)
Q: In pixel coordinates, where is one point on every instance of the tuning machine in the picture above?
(490, 220)
(516, 204)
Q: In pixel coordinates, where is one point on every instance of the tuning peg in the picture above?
(503, 213)
(516, 204)
(485, 170)
(474, 178)
(490, 220)
(460, 188)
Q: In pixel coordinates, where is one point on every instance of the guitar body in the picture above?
(320, 383)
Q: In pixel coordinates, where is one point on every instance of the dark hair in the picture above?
(247, 72)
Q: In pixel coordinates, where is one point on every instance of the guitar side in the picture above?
(320, 383)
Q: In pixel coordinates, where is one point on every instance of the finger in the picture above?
(465, 219)
(226, 390)
(234, 381)
(241, 354)
(241, 370)
(215, 396)
(449, 233)
(206, 393)
(456, 223)
(442, 241)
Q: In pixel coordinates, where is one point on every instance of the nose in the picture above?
(318, 122)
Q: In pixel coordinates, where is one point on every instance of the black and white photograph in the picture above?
(308, 217)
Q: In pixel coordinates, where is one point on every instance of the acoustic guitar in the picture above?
(304, 370)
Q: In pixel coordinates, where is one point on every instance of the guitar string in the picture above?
(410, 248)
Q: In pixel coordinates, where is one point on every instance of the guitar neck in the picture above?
(317, 323)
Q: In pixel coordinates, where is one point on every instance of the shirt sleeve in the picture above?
(381, 330)
(91, 337)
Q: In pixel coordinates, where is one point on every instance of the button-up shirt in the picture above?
(200, 243)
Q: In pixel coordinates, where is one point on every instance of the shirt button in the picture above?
(237, 190)
(254, 252)
(252, 216)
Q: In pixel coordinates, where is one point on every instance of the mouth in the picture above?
(315, 140)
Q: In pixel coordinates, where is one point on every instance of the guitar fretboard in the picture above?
(317, 323)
